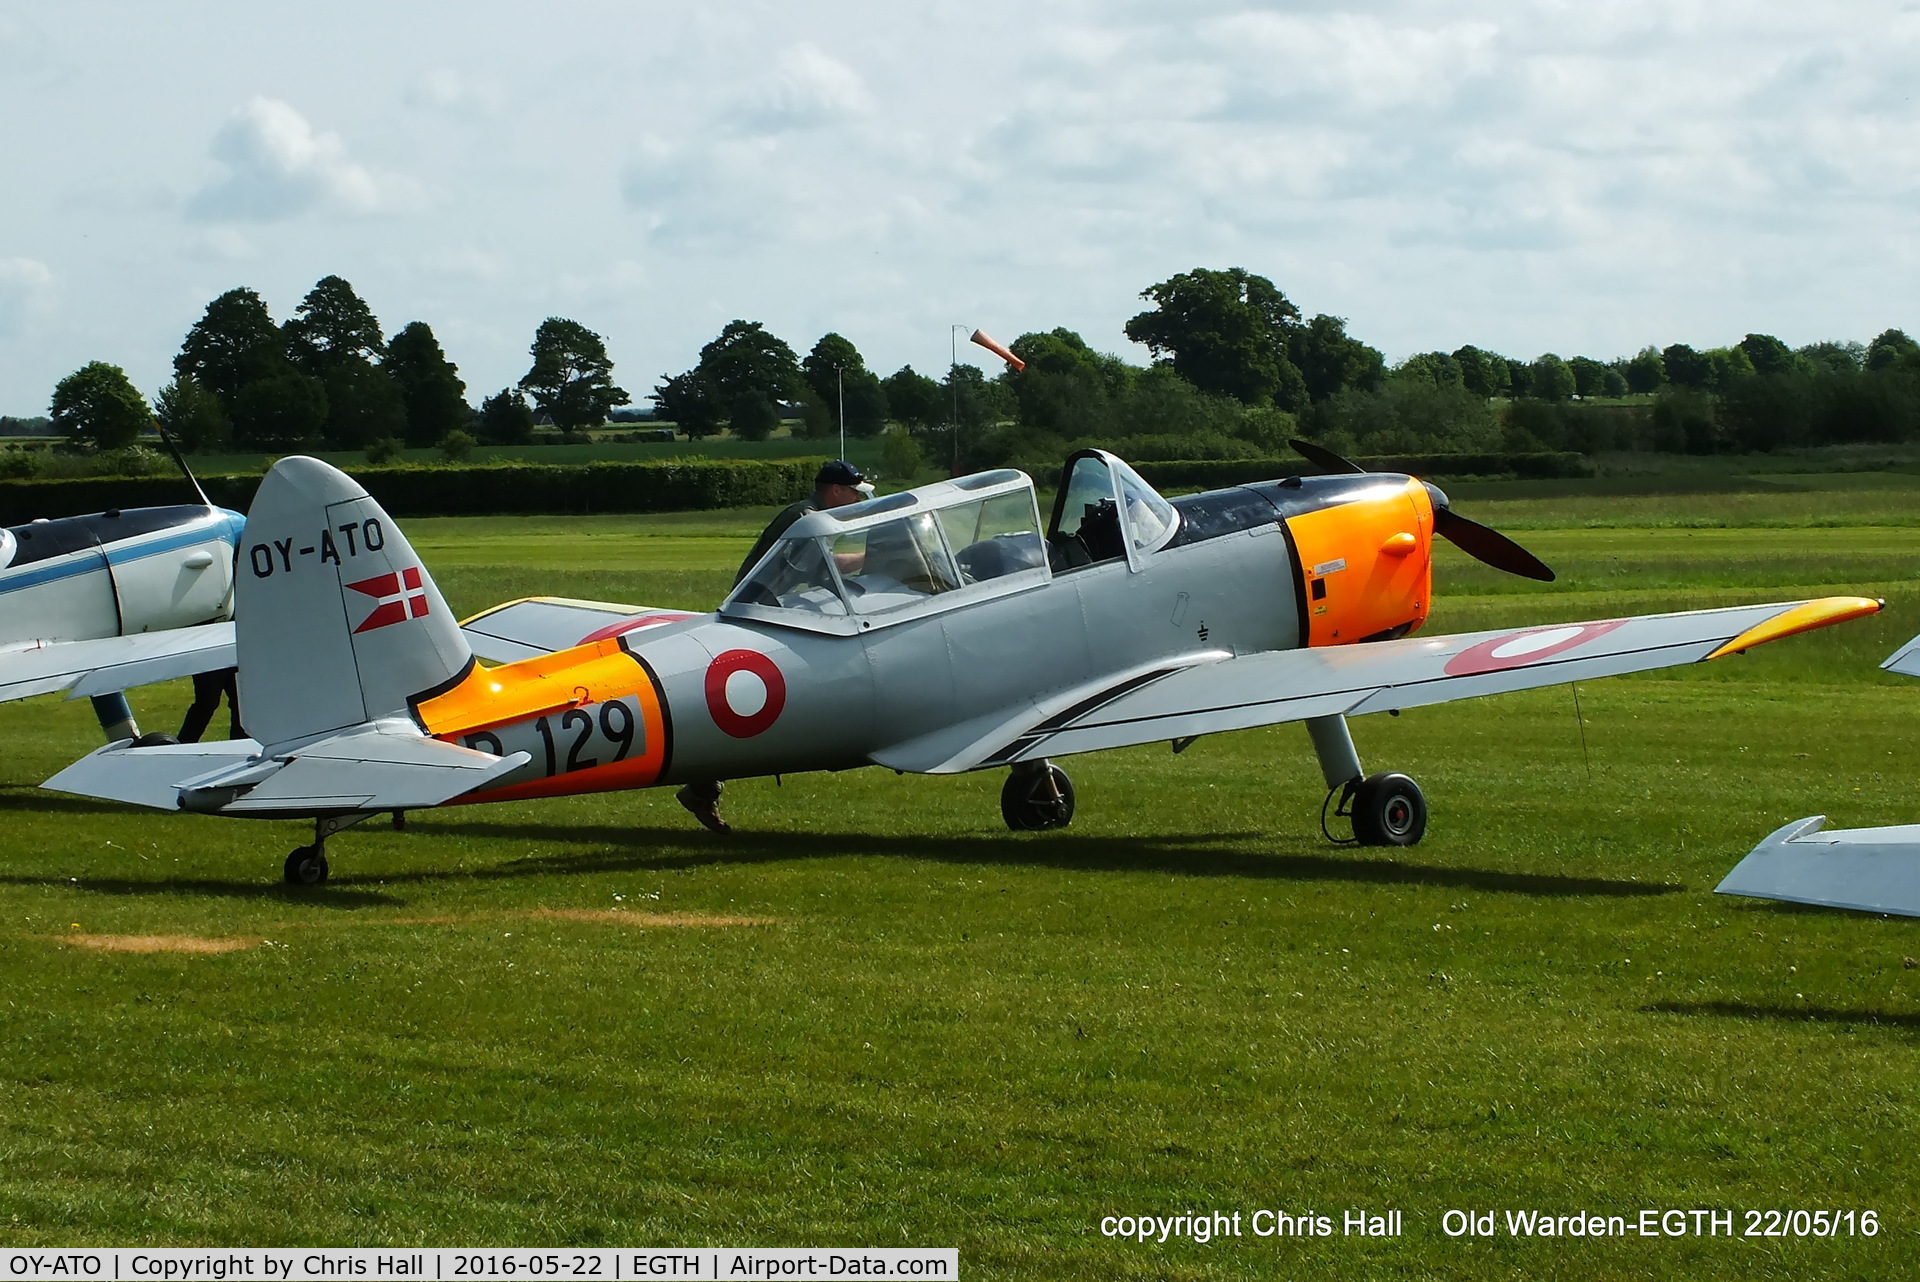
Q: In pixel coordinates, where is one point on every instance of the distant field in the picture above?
(872, 1015)
(863, 453)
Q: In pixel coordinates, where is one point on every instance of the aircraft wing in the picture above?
(540, 625)
(1211, 692)
(107, 664)
(1874, 870)
(377, 766)
(1905, 660)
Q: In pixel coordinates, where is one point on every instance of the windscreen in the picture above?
(793, 576)
(995, 536)
(1149, 517)
(886, 567)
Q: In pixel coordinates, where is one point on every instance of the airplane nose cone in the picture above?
(1441, 502)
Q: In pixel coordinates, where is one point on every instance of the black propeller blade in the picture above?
(1476, 540)
(1321, 456)
(1489, 545)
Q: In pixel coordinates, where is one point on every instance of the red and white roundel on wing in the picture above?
(1518, 649)
(745, 692)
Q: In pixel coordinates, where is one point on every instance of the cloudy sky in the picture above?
(1577, 177)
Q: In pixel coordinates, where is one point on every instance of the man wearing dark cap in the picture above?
(837, 485)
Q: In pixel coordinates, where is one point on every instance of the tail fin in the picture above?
(335, 620)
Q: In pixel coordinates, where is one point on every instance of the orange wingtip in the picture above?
(1802, 618)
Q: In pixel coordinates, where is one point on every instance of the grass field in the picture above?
(872, 1015)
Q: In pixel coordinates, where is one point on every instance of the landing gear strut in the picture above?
(307, 865)
(1387, 809)
(1037, 797)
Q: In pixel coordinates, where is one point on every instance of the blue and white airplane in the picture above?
(94, 605)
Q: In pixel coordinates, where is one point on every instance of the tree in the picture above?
(430, 385)
(285, 412)
(331, 327)
(1888, 349)
(99, 407)
(1224, 332)
(1646, 371)
(835, 374)
(233, 344)
(1729, 365)
(1519, 376)
(505, 418)
(364, 404)
(1482, 373)
(914, 398)
(1589, 376)
(1687, 368)
(192, 416)
(1835, 358)
(572, 376)
(746, 358)
(1437, 368)
(691, 402)
(1551, 379)
(1767, 354)
(1066, 387)
(1331, 361)
(753, 416)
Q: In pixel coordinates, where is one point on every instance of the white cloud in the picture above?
(279, 166)
(25, 286)
(809, 87)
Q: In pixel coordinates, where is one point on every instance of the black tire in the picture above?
(1389, 810)
(306, 866)
(1028, 804)
(154, 739)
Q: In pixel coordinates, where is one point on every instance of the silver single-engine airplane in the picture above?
(1874, 870)
(95, 605)
(938, 630)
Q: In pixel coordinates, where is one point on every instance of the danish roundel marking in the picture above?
(745, 692)
(1518, 649)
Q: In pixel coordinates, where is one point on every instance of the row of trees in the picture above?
(329, 378)
(1237, 368)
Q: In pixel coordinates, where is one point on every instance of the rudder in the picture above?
(336, 622)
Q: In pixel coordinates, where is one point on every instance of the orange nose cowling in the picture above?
(1366, 566)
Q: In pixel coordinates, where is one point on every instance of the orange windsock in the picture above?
(993, 345)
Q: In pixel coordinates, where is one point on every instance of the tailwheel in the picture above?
(1388, 810)
(307, 866)
(1037, 797)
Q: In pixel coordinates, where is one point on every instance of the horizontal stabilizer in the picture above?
(382, 766)
(148, 776)
(1874, 870)
(1905, 660)
(107, 664)
(540, 625)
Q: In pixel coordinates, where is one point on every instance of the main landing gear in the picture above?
(1386, 809)
(1037, 797)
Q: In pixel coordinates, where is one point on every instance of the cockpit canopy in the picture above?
(898, 555)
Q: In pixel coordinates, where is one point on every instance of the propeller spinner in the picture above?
(1481, 542)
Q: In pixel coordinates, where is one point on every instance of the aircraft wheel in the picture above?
(1028, 801)
(307, 866)
(154, 739)
(1389, 810)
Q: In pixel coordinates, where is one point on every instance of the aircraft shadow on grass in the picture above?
(1786, 1014)
(216, 888)
(1182, 854)
(27, 797)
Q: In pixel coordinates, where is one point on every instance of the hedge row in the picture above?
(1219, 473)
(536, 488)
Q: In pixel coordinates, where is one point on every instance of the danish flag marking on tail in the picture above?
(401, 597)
